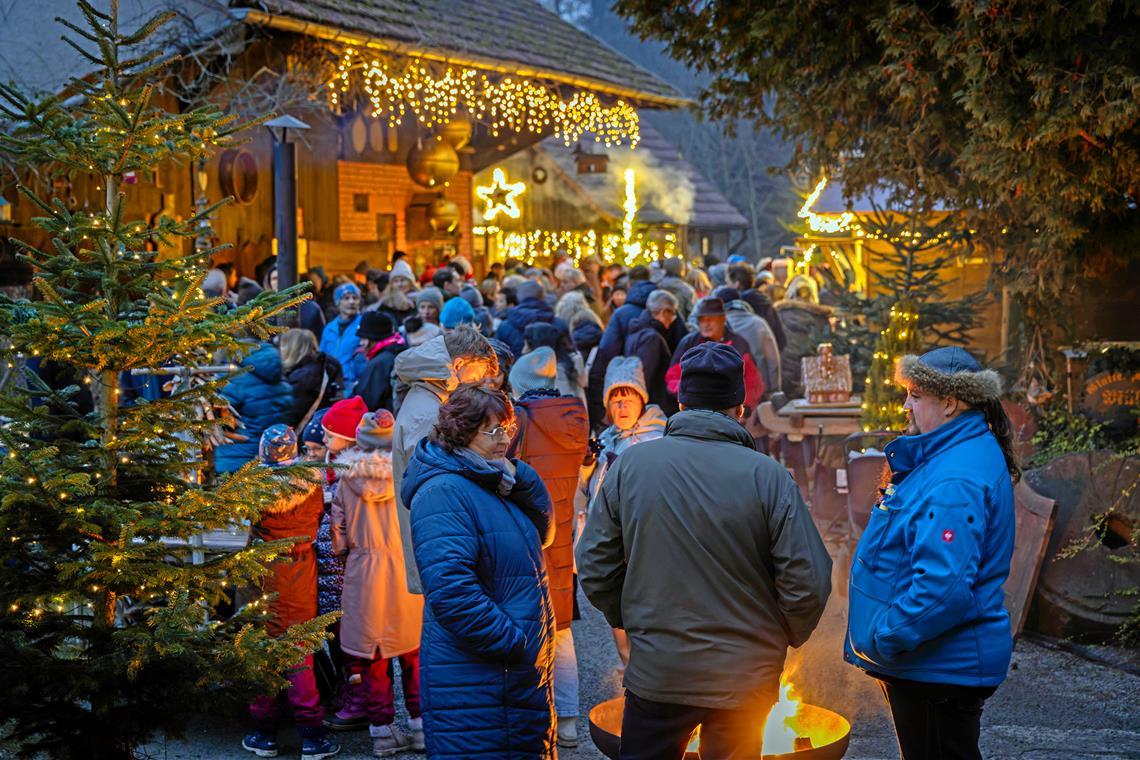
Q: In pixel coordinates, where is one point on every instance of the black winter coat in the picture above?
(528, 311)
(762, 305)
(375, 383)
(648, 342)
(306, 381)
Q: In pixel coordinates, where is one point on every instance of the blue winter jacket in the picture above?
(529, 310)
(261, 397)
(341, 345)
(487, 652)
(926, 600)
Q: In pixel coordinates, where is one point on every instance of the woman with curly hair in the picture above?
(479, 525)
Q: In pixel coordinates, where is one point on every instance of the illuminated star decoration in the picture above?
(500, 196)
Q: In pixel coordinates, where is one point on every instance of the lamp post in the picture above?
(284, 130)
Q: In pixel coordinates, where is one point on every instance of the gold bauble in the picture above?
(443, 214)
(433, 164)
(456, 132)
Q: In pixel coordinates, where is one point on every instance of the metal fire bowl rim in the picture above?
(608, 714)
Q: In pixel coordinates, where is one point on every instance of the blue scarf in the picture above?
(507, 479)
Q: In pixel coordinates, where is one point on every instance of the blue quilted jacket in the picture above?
(487, 652)
(261, 397)
(926, 583)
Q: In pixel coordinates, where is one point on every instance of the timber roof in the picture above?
(670, 174)
(517, 36)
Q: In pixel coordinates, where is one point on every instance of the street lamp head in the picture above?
(281, 127)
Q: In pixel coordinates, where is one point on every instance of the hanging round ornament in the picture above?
(443, 214)
(457, 132)
(433, 163)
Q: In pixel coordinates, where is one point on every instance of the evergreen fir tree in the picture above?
(110, 631)
(882, 397)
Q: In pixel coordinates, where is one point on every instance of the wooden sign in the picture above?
(1109, 393)
(1034, 521)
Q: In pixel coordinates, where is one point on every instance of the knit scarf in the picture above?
(506, 481)
(395, 339)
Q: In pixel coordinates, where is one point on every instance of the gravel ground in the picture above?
(1053, 706)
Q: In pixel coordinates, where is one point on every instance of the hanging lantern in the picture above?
(457, 132)
(443, 214)
(434, 163)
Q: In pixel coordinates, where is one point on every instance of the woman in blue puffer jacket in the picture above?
(479, 524)
(927, 615)
(261, 398)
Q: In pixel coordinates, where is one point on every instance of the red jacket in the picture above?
(293, 579)
(553, 437)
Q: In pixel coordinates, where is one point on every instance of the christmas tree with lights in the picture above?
(882, 397)
(111, 628)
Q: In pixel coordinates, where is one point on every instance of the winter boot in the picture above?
(315, 745)
(387, 740)
(260, 743)
(568, 732)
(353, 715)
(416, 727)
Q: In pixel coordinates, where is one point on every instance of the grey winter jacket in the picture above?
(427, 370)
(703, 551)
(765, 352)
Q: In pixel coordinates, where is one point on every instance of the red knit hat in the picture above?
(343, 417)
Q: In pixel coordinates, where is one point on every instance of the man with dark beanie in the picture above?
(703, 551)
(381, 344)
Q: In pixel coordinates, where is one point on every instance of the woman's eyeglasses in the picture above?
(501, 431)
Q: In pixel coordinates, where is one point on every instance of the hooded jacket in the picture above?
(647, 340)
(261, 398)
(763, 348)
(293, 577)
(487, 651)
(527, 311)
(553, 438)
(375, 382)
(926, 598)
(306, 378)
(762, 306)
(381, 619)
(703, 551)
(427, 370)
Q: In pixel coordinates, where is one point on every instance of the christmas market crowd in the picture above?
(479, 443)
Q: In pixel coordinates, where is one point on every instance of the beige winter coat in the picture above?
(380, 617)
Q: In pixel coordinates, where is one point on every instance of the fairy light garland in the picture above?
(848, 222)
(530, 246)
(397, 89)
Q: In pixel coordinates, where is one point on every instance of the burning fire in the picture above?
(788, 728)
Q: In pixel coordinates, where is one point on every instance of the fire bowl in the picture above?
(829, 729)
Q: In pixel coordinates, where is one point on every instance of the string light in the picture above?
(847, 222)
(530, 246)
(397, 88)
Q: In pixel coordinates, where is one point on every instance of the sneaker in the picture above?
(260, 744)
(568, 732)
(346, 721)
(315, 745)
(387, 740)
(416, 727)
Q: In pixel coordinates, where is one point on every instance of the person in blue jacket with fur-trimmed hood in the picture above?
(927, 616)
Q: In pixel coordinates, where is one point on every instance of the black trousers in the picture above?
(936, 721)
(660, 731)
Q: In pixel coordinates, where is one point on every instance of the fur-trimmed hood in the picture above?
(951, 372)
(370, 477)
(290, 497)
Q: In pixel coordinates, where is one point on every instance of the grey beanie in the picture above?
(431, 294)
(535, 371)
(625, 372)
(951, 372)
(471, 295)
(530, 289)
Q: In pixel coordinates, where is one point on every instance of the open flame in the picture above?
(785, 731)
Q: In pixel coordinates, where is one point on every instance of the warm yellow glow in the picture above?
(826, 224)
(532, 245)
(501, 196)
(779, 734)
(630, 246)
(397, 87)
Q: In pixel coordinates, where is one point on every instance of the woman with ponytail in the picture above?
(927, 616)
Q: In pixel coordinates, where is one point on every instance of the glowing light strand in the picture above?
(397, 89)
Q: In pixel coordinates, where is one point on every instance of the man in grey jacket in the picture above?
(430, 374)
(704, 552)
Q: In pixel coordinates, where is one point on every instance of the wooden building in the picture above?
(405, 103)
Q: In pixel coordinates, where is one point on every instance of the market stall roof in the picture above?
(668, 174)
(516, 36)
